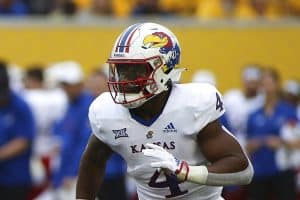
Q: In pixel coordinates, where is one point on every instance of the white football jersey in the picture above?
(47, 106)
(189, 109)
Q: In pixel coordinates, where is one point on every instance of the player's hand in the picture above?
(274, 142)
(69, 182)
(253, 145)
(166, 161)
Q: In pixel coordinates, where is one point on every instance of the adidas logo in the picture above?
(170, 128)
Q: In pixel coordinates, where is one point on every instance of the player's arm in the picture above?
(229, 164)
(92, 167)
(14, 148)
(23, 135)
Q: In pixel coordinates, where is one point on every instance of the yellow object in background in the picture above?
(275, 9)
(295, 4)
(210, 9)
(244, 10)
(178, 6)
(223, 50)
(171, 5)
(122, 8)
(83, 4)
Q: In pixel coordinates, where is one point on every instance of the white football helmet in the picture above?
(142, 64)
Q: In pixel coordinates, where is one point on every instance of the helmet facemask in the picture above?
(131, 82)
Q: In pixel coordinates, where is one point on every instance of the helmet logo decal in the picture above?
(165, 44)
(158, 39)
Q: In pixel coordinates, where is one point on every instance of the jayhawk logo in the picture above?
(164, 42)
(158, 39)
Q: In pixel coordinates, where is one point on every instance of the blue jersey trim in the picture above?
(145, 122)
(153, 119)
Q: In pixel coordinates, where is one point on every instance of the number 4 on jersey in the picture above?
(219, 103)
(171, 182)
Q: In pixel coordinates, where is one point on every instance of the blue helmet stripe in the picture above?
(125, 36)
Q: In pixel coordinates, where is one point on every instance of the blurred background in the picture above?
(52, 65)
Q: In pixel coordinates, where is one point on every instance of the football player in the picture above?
(168, 133)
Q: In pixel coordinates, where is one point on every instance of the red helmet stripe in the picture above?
(129, 40)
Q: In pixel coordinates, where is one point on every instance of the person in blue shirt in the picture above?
(224, 121)
(263, 131)
(17, 130)
(73, 129)
(13, 7)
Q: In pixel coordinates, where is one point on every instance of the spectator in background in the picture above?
(275, 9)
(244, 10)
(34, 77)
(260, 6)
(69, 8)
(203, 9)
(40, 7)
(46, 109)
(147, 7)
(96, 83)
(17, 130)
(269, 8)
(16, 75)
(73, 129)
(35, 95)
(56, 7)
(178, 6)
(101, 7)
(13, 7)
(204, 76)
(83, 4)
(114, 183)
(210, 9)
(240, 103)
(293, 6)
(122, 8)
(263, 131)
(290, 133)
